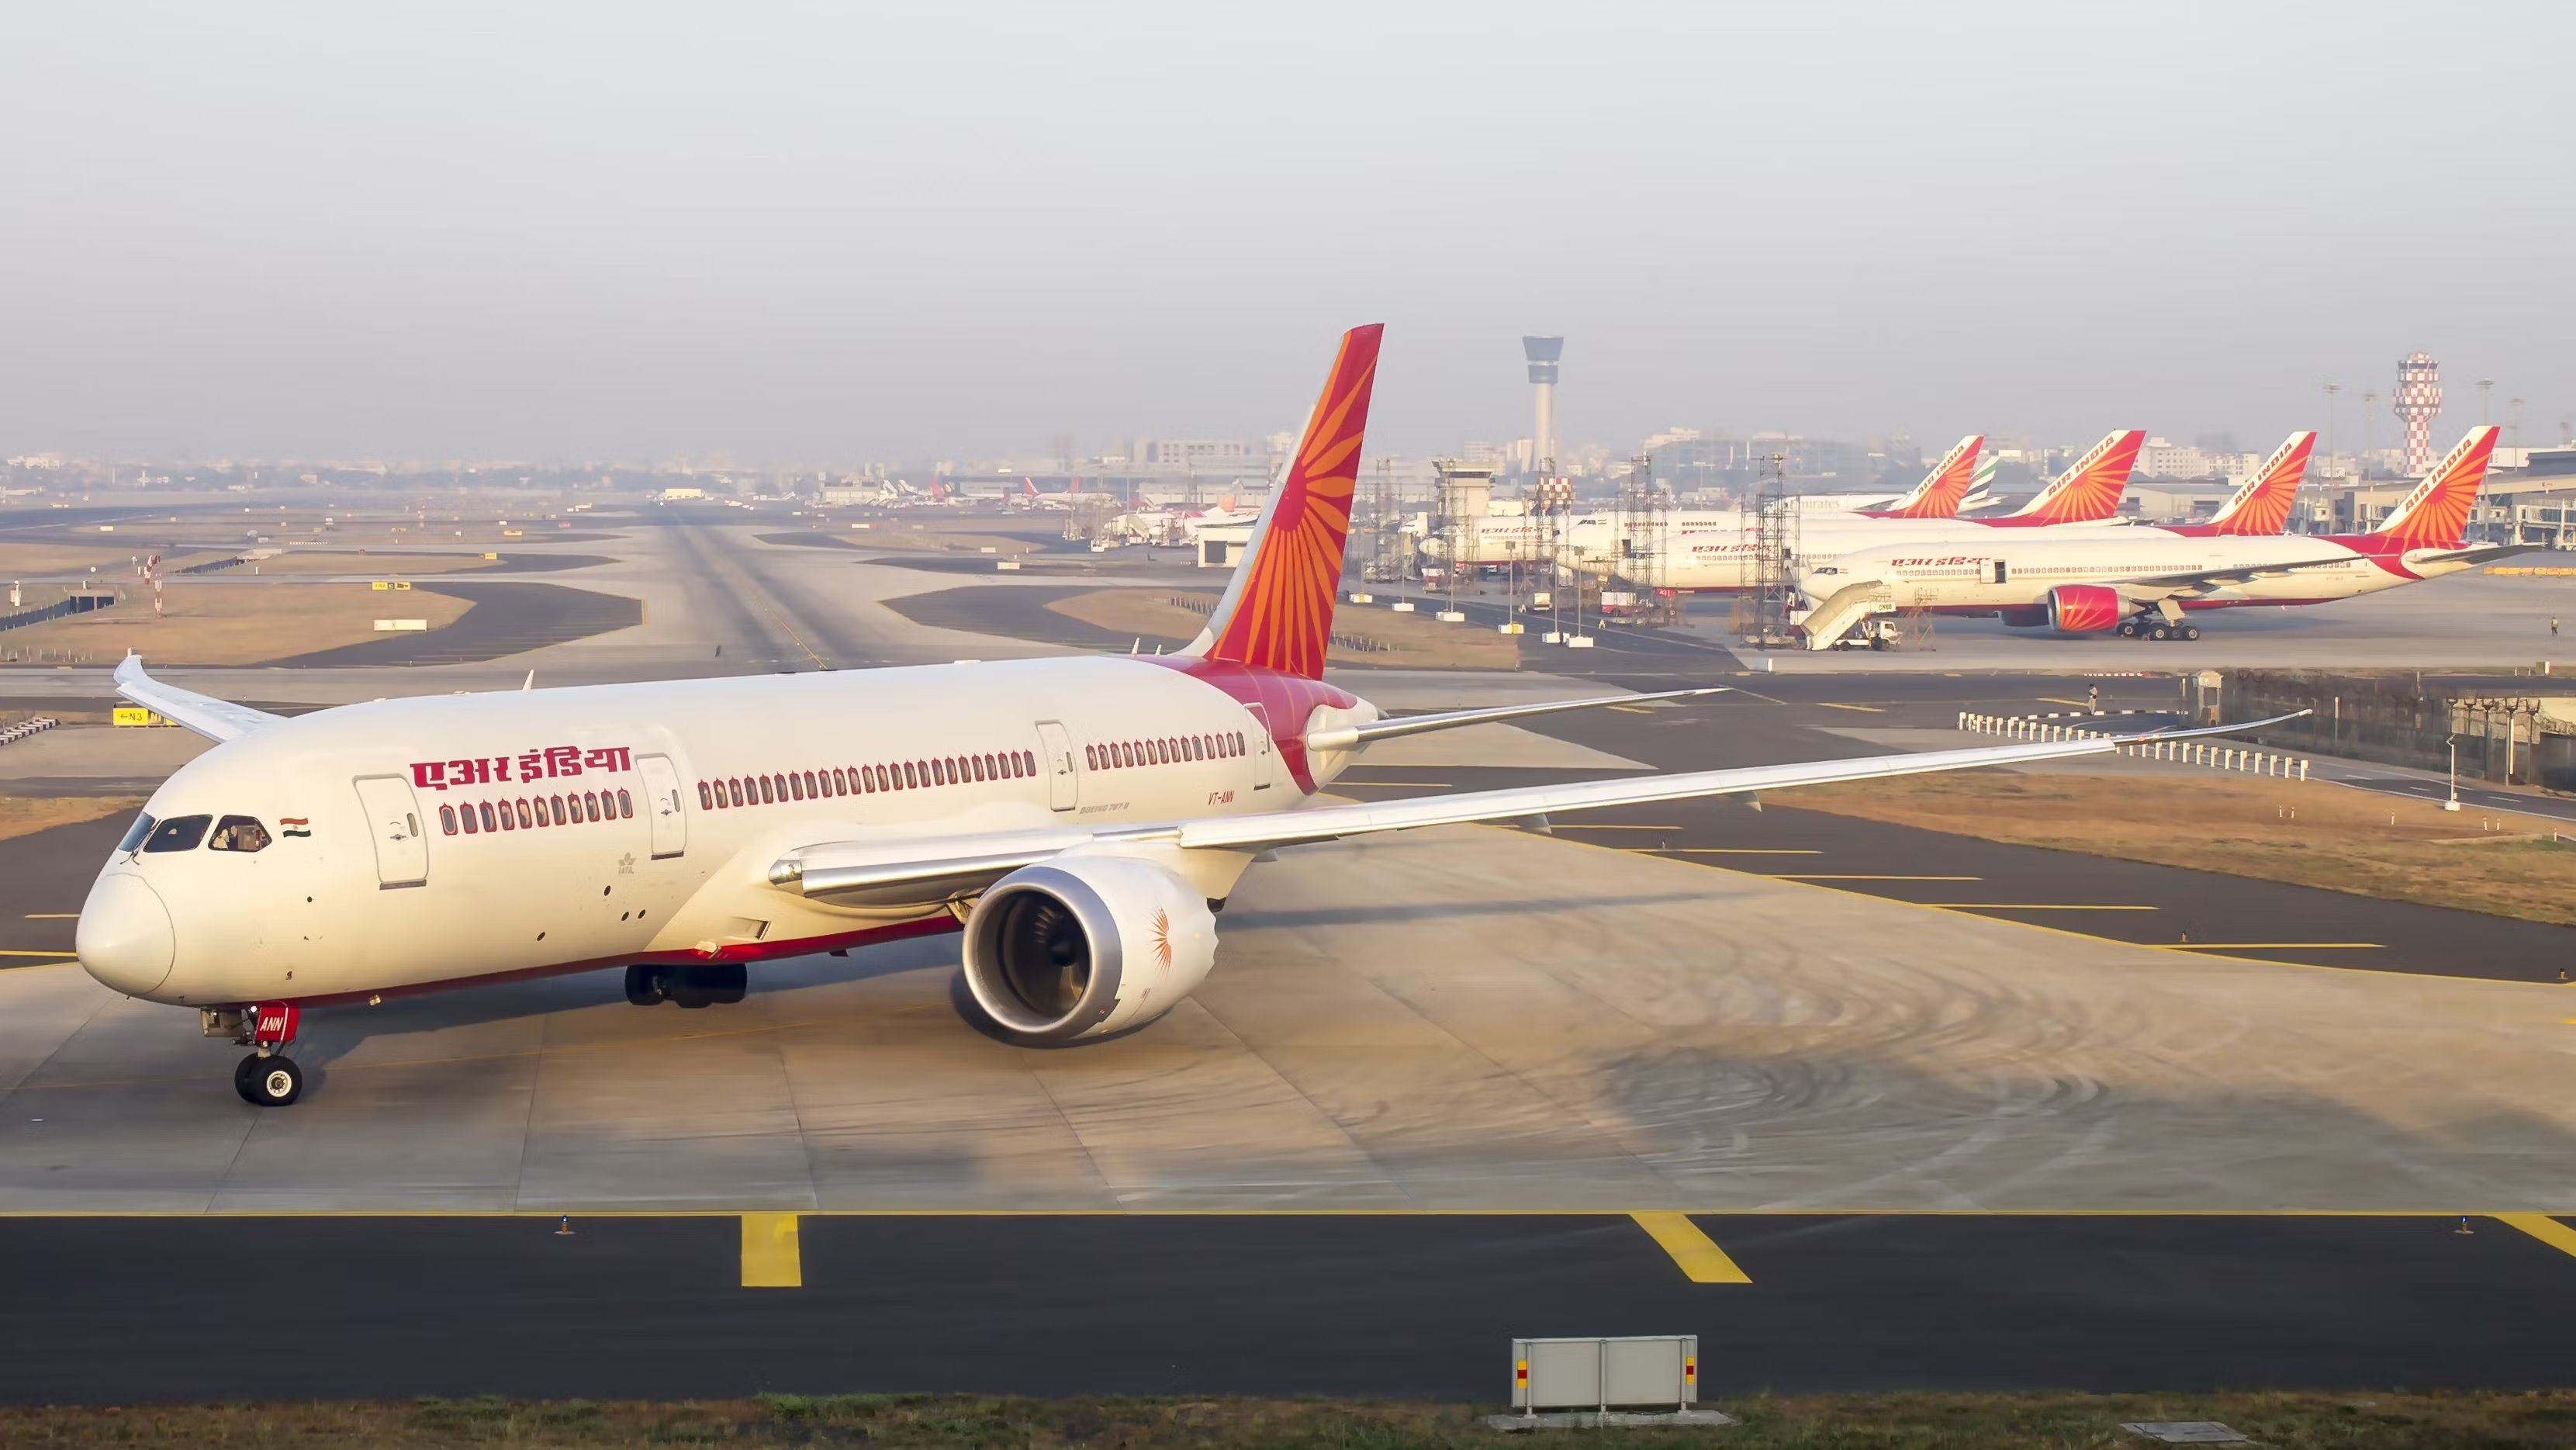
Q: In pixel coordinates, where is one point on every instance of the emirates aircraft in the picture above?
(1717, 552)
(2140, 583)
(1079, 820)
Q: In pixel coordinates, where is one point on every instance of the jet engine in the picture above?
(1084, 946)
(2083, 608)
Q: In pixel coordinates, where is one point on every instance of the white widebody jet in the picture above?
(1079, 820)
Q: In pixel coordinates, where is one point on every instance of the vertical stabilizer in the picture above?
(2261, 508)
(1939, 494)
(1277, 613)
(2088, 492)
(2436, 514)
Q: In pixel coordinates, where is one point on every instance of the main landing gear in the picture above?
(709, 985)
(267, 1078)
(2151, 627)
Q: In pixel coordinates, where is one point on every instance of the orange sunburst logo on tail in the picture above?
(1277, 613)
(2262, 507)
(1939, 494)
(2090, 491)
(2436, 514)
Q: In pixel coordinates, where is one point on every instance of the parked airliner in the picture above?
(1080, 820)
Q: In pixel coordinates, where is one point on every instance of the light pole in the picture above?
(2486, 390)
(2453, 741)
(2331, 390)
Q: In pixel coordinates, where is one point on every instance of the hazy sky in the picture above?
(846, 231)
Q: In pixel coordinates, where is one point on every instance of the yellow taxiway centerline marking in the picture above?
(2542, 1227)
(1630, 709)
(1419, 784)
(53, 916)
(36, 954)
(1701, 1260)
(770, 1256)
(1822, 876)
(1867, 709)
(2053, 700)
(1596, 826)
(2029, 906)
(1726, 851)
(2269, 946)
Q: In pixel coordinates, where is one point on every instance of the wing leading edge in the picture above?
(217, 720)
(890, 872)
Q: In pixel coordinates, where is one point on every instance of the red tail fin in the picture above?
(2262, 507)
(1277, 613)
(1938, 495)
(2088, 492)
(2436, 514)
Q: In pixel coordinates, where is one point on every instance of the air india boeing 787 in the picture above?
(1080, 820)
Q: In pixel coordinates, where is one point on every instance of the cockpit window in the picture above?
(135, 833)
(238, 833)
(179, 833)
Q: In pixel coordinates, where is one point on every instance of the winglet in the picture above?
(2436, 514)
(1277, 613)
(217, 720)
(2262, 507)
(2089, 491)
(1939, 494)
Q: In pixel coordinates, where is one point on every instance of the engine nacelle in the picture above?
(1084, 946)
(2083, 608)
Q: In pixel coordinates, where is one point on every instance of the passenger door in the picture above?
(393, 822)
(1264, 757)
(662, 797)
(1064, 788)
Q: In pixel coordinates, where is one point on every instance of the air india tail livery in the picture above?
(2141, 583)
(2261, 508)
(1939, 494)
(1078, 820)
(2088, 491)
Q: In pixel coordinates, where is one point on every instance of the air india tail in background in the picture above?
(1277, 613)
(1939, 494)
(2436, 514)
(2262, 507)
(2088, 492)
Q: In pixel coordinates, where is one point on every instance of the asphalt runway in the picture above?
(128, 1310)
(507, 618)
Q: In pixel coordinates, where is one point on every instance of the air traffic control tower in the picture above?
(1542, 353)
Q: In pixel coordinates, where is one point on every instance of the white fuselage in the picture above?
(2009, 569)
(1720, 552)
(367, 885)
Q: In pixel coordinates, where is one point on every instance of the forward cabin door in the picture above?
(1064, 788)
(393, 820)
(1264, 754)
(662, 795)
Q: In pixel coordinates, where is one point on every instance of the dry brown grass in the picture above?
(230, 623)
(910, 539)
(26, 815)
(2283, 1421)
(1413, 640)
(380, 566)
(2306, 833)
(113, 561)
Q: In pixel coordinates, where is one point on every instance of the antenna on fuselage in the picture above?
(530, 683)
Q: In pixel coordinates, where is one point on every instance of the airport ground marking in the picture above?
(1831, 876)
(1416, 784)
(1833, 705)
(1701, 1260)
(53, 916)
(1723, 850)
(2265, 946)
(2037, 906)
(1632, 709)
(35, 954)
(2544, 1228)
(1598, 826)
(771, 1257)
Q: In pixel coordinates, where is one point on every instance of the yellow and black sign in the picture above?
(390, 584)
(127, 715)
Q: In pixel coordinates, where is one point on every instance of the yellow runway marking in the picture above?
(1731, 851)
(2053, 700)
(1632, 709)
(1819, 876)
(1867, 709)
(2272, 946)
(2028, 906)
(34, 954)
(1701, 1260)
(770, 1257)
(2542, 1227)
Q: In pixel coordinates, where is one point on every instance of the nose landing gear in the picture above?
(268, 1078)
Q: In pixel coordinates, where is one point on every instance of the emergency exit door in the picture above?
(662, 793)
(393, 821)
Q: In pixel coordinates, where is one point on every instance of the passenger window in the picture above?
(136, 834)
(447, 819)
(180, 833)
(625, 805)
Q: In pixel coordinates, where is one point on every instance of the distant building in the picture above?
(1208, 453)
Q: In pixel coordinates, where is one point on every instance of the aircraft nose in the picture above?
(124, 938)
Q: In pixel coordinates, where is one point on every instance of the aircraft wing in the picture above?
(1344, 737)
(2204, 581)
(217, 720)
(879, 872)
